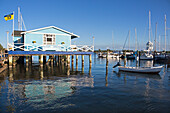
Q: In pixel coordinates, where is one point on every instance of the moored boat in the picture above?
(149, 70)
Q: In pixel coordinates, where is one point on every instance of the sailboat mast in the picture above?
(135, 40)
(165, 33)
(159, 43)
(113, 40)
(149, 23)
(19, 18)
(129, 39)
(155, 35)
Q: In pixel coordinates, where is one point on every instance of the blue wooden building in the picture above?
(47, 41)
(43, 39)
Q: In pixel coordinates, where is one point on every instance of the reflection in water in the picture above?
(106, 78)
(39, 84)
(138, 75)
(148, 63)
(50, 89)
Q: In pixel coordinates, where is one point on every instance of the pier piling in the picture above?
(76, 62)
(10, 61)
(107, 58)
(82, 56)
(72, 62)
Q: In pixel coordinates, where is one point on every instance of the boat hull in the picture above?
(152, 70)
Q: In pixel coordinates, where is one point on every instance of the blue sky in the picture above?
(88, 18)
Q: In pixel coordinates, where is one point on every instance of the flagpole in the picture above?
(13, 29)
(7, 39)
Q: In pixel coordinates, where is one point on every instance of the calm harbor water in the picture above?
(32, 89)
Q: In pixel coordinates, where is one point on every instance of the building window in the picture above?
(49, 39)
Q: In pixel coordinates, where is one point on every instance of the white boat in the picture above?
(146, 56)
(149, 70)
(110, 55)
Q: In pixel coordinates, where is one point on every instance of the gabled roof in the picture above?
(72, 35)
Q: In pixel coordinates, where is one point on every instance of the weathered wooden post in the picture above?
(107, 62)
(10, 61)
(52, 60)
(44, 59)
(27, 60)
(14, 61)
(49, 60)
(76, 62)
(30, 59)
(68, 60)
(125, 59)
(41, 60)
(90, 64)
(68, 64)
(106, 78)
(82, 58)
(139, 58)
(72, 62)
(107, 58)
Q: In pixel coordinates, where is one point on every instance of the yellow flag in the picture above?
(9, 17)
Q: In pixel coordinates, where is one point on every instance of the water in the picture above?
(32, 89)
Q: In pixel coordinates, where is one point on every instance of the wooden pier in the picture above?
(60, 56)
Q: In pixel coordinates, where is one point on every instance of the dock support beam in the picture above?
(90, 60)
(30, 59)
(68, 64)
(107, 59)
(82, 56)
(90, 64)
(10, 61)
(14, 61)
(76, 62)
(72, 62)
(27, 60)
(44, 59)
(41, 60)
(68, 60)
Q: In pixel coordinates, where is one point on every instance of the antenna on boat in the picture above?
(20, 20)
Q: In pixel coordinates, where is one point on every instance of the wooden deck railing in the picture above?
(36, 47)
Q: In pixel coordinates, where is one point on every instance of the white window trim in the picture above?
(45, 39)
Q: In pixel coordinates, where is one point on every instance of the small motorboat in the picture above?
(149, 70)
